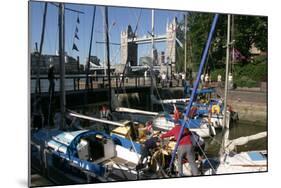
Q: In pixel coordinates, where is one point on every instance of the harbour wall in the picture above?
(251, 104)
(250, 111)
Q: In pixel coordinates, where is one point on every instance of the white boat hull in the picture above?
(204, 130)
(253, 161)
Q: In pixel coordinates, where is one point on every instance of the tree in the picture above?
(248, 31)
(198, 28)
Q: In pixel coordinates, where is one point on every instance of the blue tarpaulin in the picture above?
(256, 156)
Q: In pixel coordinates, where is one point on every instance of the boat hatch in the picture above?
(95, 148)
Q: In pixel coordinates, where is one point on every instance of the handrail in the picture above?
(76, 82)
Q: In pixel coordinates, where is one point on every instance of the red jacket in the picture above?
(175, 132)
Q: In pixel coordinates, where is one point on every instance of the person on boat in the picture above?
(149, 145)
(147, 131)
(51, 77)
(198, 144)
(185, 148)
(147, 150)
(104, 112)
(106, 115)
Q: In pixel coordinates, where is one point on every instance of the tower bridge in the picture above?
(129, 46)
(146, 39)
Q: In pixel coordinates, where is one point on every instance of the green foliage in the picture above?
(256, 72)
(245, 81)
(199, 25)
(216, 72)
(246, 31)
(250, 30)
(249, 75)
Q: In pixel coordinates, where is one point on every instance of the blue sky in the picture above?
(122, 17)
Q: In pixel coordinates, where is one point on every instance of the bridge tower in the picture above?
(129, 46)
(129, 50)
(171, 34)
(170, 58)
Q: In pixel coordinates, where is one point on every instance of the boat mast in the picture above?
(232, 41)
(152, 63)
(225, 125)
(107, 55)
(38, 88)
(90, 49)
(196, 84)
(62, 61)
(185, 41)
(105, 61)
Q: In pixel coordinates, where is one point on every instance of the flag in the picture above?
(76, 36)
(78, 21)
(74, 47)
(238, 55)
(176, 113)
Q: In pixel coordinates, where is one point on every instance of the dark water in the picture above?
(239, 129)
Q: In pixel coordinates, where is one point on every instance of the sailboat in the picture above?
(230, 161)
(68, 156)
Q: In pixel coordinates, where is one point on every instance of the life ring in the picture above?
(215, 109)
